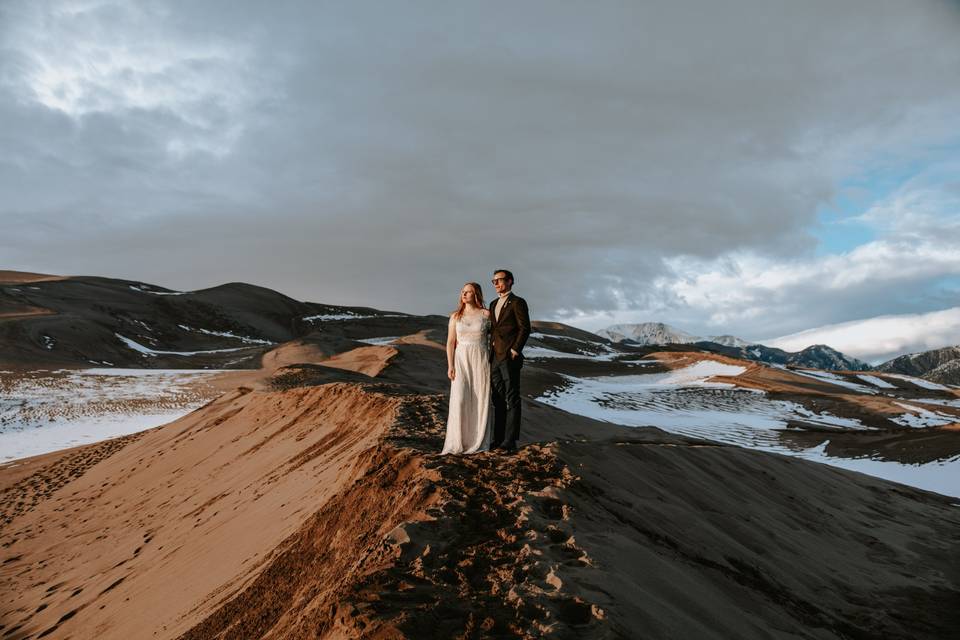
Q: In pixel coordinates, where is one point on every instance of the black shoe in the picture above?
(494, 447)
(508, 448)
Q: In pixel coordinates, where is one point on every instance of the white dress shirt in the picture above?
(500, 303)
(496, 311)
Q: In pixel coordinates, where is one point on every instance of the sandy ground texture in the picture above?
(25, 277)
(312, 502)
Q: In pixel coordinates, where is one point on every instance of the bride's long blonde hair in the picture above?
(477, 299)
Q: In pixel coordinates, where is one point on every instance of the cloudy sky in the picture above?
(757, 168)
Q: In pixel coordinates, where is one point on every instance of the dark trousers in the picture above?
(505, 380)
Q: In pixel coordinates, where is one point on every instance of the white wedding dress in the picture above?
(468, 423)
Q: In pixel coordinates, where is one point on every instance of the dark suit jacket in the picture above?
(512, 329)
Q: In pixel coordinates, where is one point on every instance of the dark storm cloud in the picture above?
(384, 154)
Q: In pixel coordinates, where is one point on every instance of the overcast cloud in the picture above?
(875, 339)
(629, 161)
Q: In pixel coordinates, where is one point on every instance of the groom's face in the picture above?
(501, 283)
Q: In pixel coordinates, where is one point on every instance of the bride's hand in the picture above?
(451, 373)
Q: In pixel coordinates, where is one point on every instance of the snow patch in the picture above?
(942, 477)
(537, 353)
(875, 381)
(185, 374)
(920, 418)
(833, 378)
(324, 317)
(828, 419)
(348, 315)
(733, 416)
(147, 351)
(698, 373)
(142, 289)
(379, 341)
(920, 382)
(548, 336)
(227, 334)
(43, 411)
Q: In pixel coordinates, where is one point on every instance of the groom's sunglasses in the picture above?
(496, 280)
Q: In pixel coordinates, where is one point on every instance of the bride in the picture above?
(468, 367)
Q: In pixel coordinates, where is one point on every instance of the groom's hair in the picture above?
(507, 274)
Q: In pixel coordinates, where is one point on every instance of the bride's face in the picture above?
(468, 295)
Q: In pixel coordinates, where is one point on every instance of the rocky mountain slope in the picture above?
(79, 321)
(818, 356)
(937, 365)
(657, 333)
(645, 333)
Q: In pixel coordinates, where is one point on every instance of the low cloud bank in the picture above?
(878, 339)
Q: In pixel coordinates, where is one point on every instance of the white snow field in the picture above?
(919, 417)
(44, 411)
(686, 402)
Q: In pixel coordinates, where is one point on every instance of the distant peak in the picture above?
(648, 333)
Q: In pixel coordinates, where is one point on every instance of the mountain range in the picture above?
(82, 320)
(658, 333)
(307, 499)
(937, 365)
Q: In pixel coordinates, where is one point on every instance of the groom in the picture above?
(511, 328)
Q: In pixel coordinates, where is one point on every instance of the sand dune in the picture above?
(308, 500)
(313, 504)
(25, 277)
(178, 519)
